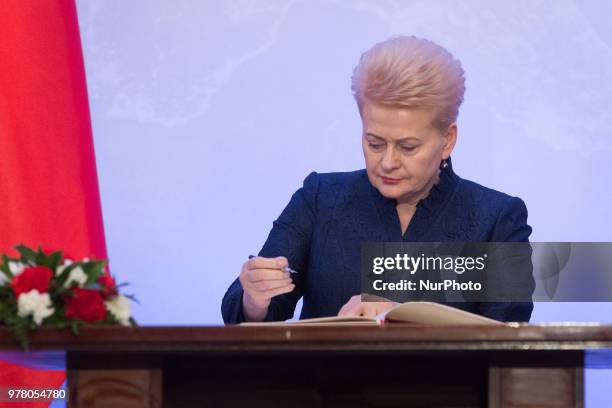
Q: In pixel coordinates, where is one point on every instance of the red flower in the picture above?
(34, 277)
(85, 304)
(109, 286)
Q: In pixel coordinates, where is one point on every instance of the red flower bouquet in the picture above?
(48, 289)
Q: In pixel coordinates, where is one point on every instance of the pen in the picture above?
(286, 269)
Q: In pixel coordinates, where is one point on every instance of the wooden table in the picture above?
(389, 366)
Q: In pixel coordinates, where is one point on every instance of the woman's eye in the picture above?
(374, 145)
(408, 148)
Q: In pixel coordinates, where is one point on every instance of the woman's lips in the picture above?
(388, 180)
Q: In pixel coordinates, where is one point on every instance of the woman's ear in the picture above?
(450, 140)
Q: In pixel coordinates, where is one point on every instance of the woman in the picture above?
(408, 91)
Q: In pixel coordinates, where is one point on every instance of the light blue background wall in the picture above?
(207, 115)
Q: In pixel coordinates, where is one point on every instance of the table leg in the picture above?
(129, 388)
(536, 387)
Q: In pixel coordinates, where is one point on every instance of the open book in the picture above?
(427, 313)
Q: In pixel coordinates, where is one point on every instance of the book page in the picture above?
(434, 314)
(331, 320)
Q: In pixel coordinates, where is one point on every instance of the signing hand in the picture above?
(262, 279)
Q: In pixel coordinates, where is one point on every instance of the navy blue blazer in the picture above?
(322, 228)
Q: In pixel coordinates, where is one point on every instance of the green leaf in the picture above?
(94, 270)
(41, 258)
(51, 261)
(4, 267)
(19, 329)
(63, 277)
(74, 325)
(28, 256)
(111, 318)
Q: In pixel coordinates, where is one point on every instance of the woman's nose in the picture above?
(390, 160)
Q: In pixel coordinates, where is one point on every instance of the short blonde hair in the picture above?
(412, 73)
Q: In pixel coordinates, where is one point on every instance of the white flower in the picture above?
(61, 268)
(3, 278)
(36, 304)
(16, 267)
(76, 275)
(119, 306)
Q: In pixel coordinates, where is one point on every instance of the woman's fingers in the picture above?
(369, 310)
(351, 310)
(348, 308)
(355, 307)
(280, 291)
(269, 294)
(256, 275)
(263, 278)
(260, 262)
(260, 268)
(360, 309)
(263, 286)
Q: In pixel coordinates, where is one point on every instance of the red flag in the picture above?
(48, 184)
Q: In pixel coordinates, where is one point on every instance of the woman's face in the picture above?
(403, 150)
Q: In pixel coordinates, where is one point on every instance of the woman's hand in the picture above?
(262, 279)
(355, 307)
